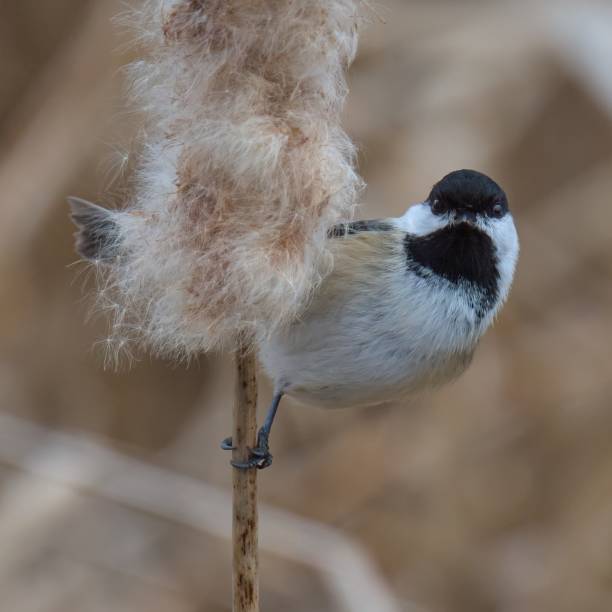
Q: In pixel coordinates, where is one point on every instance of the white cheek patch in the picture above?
(420, 221)
(503, 233)
(504, 236)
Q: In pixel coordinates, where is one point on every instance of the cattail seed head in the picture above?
(245, 167)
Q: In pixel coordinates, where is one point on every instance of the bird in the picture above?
(402, 310)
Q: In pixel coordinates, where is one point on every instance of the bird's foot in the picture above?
(259, 457)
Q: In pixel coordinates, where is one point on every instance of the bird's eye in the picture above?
(437, 208)
(498, 210)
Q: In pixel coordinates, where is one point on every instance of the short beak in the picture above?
(465, 216)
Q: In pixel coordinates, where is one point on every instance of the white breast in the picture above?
(375, 330)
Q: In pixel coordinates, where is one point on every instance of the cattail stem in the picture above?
(244, 526)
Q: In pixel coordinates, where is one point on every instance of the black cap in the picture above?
(467, 190)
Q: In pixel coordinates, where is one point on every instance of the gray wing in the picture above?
(357, 227)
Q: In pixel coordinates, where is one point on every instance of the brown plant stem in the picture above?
(244, 526)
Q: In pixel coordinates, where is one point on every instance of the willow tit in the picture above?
(404, 307)
(402, 310)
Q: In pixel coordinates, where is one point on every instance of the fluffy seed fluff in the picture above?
(244, 168)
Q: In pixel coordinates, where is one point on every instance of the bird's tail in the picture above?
(97, 236)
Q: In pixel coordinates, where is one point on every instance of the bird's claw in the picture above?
(227, 444)
(259, 457)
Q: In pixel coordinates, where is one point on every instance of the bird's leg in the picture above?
(260, 456)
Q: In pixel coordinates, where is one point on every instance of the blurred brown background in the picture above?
(493, 494)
